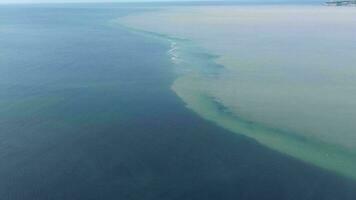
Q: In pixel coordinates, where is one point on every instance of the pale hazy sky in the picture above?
(65, 1)
(78, 1)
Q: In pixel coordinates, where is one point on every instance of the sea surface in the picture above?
(87, 111)
(284, 75)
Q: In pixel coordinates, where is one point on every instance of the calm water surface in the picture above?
(86, 112)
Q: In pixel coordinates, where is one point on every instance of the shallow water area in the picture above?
(288, 78)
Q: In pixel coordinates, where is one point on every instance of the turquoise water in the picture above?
(87, 112)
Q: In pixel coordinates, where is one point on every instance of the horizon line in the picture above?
(164, 1)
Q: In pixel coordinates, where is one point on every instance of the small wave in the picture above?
(173, 53)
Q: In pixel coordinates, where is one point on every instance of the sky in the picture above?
(74, 1)
(78, 1)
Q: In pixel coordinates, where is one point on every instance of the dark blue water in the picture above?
(86, 112)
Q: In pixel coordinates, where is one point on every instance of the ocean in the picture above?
(87, 111)
(283, 75)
